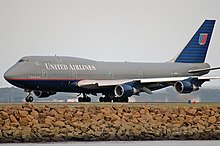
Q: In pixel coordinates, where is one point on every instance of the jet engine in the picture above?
(185, 86)
(41, 94)
(125, 90)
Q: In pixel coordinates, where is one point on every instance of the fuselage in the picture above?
(61, 74)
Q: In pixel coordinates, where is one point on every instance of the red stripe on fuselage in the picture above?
(43, 79)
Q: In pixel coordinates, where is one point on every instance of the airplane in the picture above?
(44, 76)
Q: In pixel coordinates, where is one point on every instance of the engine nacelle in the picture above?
(125, 90)
(41, 94)
(185, 87)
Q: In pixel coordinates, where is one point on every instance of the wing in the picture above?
(170, 80)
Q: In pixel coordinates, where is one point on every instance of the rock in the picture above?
(192, 111)
(84, 128)
(106, 111)
(128, 115)
(98, 133)
(135, 131)
(46, 123)
(13, 119)
(212, 119)
(166, 119)
(35, 122)
(23, 121)
(4, 115)
(42, 115)
(23, 113)
(59, 124)
(26, 133)
(15, 124)
(62, 110)
(148, 117)
(51, 118)
(35, 114)
(136, 115)
(97, 117)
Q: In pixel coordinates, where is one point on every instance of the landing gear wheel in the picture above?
(120, 99)
(101, 99)
(115, 99)
(125, 99)
(29, 99)
(107, 99)
(80, 99)
(88, 99)
(84, 99)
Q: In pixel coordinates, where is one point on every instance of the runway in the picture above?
(121, 143)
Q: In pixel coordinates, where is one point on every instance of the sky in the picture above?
(105, 30)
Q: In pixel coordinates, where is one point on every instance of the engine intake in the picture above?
(125, 90)
(185, 87)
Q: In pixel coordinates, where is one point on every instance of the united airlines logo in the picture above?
(203, 38)
(69, 67)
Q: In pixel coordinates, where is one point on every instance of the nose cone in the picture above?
(10, 74)
(7, 75)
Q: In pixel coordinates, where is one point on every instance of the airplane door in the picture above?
(44, 73)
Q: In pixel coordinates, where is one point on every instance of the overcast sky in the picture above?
(107, 30)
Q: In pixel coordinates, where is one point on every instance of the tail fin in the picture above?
(196, 49)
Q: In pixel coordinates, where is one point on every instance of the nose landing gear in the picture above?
(29, 98)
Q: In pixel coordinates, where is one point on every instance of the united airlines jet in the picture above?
(43, 76)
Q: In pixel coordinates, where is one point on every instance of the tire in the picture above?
(125, 99)
(88, 99)
(107, 99)
(101, 99)
(80, 99)
(115, 99)
(27, 99)
(31, 99)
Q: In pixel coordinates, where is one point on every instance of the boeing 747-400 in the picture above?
(43, 76)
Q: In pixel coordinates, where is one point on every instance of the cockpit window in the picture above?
(23, 60)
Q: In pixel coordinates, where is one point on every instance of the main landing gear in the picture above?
(120, 99)
(105, 99)
(114, 99)
(29, 98)
(85, 98)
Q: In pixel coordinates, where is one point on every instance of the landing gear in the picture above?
(120, 99)
(114, 99)
(105, 99)
(85, 98)
(29, 98)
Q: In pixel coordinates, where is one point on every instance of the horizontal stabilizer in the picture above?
(203, 69)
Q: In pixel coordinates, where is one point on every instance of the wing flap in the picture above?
(160, 80)
(102, 83)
